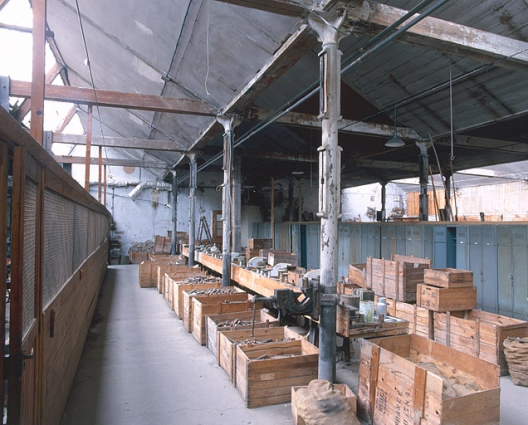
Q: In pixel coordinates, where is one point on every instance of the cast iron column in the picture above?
(227, 122)
(174, 211)
(383, 201)
(424, 178)
(329, 184)
(192, 207)
(237, 205)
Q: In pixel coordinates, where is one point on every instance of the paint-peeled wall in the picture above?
(361, 203)
(151, 214)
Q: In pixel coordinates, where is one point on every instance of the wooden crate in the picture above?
(394, 390)
(262, 320)
(259, 243)
(357, 274)
(175, 271)
(188, 304)
(343, 388)
(167, 258)
(250, 253)
(205, 305)
(446, 299)
(479, 333)
(227, 343)
(448, 278)
(420, 319)
(138, 257)
(178, 276)
(266, 251)
(268, 381)
(180, 286)
(396, 279)
(391, 326)
(275, 258)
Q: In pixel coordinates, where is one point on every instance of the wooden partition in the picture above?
(59, 250)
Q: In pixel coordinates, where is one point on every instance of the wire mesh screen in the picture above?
(80, 241)
(30, 222)
(58, 243)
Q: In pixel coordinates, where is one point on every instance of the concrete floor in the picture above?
(140, 366)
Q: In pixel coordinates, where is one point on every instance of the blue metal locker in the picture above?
(490, 296)
(402, 239)
(462, 248)
(414, 240)
(313, 246)
(427, 232)
(520, 272)
(355, 254)
(344, 242)
(440, 247)
(386, 241)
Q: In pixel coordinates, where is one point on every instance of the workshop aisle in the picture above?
(140, 366)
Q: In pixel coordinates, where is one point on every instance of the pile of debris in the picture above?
(147, 246)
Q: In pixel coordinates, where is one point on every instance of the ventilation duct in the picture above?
(134, 194)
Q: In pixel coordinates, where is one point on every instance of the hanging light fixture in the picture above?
(395, 142)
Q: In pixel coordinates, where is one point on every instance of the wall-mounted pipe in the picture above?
(134, 194)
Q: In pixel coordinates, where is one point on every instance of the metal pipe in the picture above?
(236, 239)
(134, 193)
(227, 123)
(329, 188)
(424, 174)
(314, 87)
(383, 201)
(192, 207)
(174, 212)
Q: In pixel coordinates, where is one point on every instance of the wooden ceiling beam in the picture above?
(116, 162)
(121, 142)
(345, 126)
(393, 165)
(116, 99)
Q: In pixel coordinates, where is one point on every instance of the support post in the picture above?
(38, 70)
(174, 211)
(449, 214)
(272, 213)
(100, 170)
(237, 205)
(424, 178)
(88, 149)
(192, 207)
(329, 183)
(383, 201)
(227, 123)
(105, 184)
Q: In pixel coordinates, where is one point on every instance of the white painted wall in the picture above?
(356, 200)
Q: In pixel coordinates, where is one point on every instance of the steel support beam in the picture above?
(192, 207)
(424, 179)
(174, 211)
(227, 123)
(383, 200)
(329, 34)
(236, 240)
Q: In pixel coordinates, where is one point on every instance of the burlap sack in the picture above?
(516, 353)
(321, 404)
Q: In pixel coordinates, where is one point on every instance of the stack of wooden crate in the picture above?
(402, 380)
(397, 278)
(447, 290)
(179, 285)
(219, 323)
(254, 247)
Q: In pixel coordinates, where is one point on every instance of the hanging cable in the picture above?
(88, 63)
(314, 87)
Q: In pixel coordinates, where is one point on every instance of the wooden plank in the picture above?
(110, 161)
(116, 99)
(4, 167)
(38, 70)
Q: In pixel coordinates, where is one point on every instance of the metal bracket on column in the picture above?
(5, 88)
(325, 163)
(329, 300)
